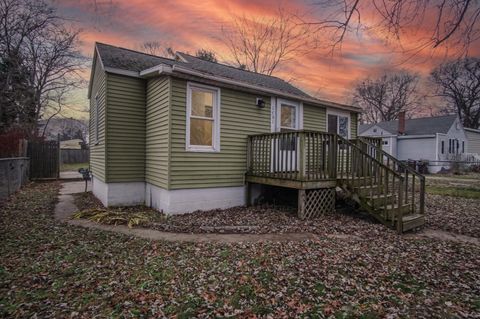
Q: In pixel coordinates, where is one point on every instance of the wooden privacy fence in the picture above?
(44, 159)
(73, 156)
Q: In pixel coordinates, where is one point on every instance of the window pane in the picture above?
(202, 103)
(288, 116)
(343, 126)
(332, 124)
(201, 132)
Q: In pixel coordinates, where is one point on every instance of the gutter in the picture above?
(156, 70)
(405, 137)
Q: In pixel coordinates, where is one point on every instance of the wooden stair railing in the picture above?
(377, 187)
(414, 187)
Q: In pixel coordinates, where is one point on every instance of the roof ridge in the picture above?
(135, 51)
(417, 118)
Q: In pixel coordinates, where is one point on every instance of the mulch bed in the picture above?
(250, 220)
(453, 214)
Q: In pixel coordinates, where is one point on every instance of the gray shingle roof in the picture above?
(125, 59)
(233, 73)
(419, 126)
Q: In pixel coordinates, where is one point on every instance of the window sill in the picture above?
(201, 150)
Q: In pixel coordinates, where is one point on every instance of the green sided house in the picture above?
(186, 134)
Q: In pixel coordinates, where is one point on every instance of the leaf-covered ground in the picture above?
(458, 215)
(49, 269)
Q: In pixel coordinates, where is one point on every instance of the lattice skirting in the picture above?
(315, 202)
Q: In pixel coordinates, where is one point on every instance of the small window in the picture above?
(449, 146)
(458, 147)
(338, 124)
(385, 142)
(97, 120)
(443, 147)
(288, 117)
(463, 146)
(374, 130)
(203, 104)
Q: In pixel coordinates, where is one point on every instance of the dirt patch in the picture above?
(445, 236)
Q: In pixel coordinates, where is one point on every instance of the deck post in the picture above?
(400, 207)
(301, 148)
(248, 194)
(301, 203)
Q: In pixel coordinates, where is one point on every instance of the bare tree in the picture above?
(383, 98)
(452, 23)
(40, 58)
(157, 48)
(459, 83)
(206, 55)
(261, 44)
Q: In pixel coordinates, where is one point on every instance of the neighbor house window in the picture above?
(449, 146)
(97, 120)
(443, 147)
(385, 142)
(203, 110)
(338, 124)
(463, 146)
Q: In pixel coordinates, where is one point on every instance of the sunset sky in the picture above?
(190, 25)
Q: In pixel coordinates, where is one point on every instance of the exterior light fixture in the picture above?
(260, 103)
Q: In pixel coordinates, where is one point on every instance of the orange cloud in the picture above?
(190, 25)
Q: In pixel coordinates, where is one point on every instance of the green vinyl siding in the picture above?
(97, 143)
(314, 118)
(239, 117)
(125, 129)
(353, 125)
(157, 134)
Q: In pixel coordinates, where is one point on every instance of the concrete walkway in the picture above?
(71, 175)
(66, 207)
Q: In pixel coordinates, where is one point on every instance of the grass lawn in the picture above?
(466, 192)
(73, 167)
(48, 269)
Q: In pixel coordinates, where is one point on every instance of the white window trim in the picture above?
(216, 119)
(343, 114)
(97, 122)
(298, 114)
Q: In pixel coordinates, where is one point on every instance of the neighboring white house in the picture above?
(473, 138)
(437, 139)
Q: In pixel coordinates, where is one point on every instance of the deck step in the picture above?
(404, 209)
(380, 199)
(412, 221)
(367, 190)
(358, 181)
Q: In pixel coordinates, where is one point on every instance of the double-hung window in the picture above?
(203, 117)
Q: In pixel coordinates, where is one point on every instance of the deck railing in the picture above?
(298, 155)
(414, 186)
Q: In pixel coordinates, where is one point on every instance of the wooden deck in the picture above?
(310, 161)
